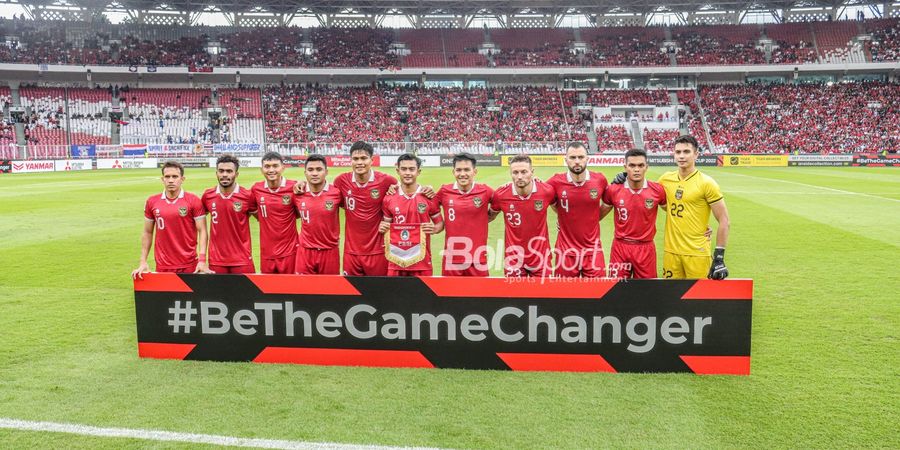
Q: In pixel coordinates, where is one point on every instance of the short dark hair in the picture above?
(575, 144)
(174, 164)
(229, 158)
(273, 156)
(465, 157)
(687, 139)
(410, 157)
(520, 158)
(362, 146)
(635, 152)
(315, 157)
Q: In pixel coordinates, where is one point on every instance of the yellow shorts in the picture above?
(684, 266)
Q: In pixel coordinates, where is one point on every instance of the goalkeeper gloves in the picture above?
(620, 178)
(718, 271)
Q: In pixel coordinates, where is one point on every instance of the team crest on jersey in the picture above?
(375, 193)
(538, 205)
(237, 206)
(678, 194)
(329, 205)
(421, 208)
(476, 201)
(182, 211)
(285, 199)
(648, 202)
(594, 194)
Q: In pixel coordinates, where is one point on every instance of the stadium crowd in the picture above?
(835, 118)
(45, 43)
(393, 114)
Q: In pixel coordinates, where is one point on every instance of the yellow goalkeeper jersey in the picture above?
(687, 214)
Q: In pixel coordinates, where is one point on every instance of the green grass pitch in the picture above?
(822, 245)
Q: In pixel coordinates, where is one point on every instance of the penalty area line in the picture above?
(171, 436)
(797, 183)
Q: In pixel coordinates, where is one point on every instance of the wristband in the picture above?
(719, 253)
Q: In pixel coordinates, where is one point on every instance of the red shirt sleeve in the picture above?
(495, 201)
(251, 206)
(607, 196)
(198, 207)
(148, 210)
(661, 194)
(386, 209)
(434, 210)
(604, 183)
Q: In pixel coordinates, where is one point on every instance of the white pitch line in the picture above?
(170, 436)
(841, 191)
(730, 191)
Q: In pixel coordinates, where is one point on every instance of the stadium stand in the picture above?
(534, 47)
(842, 117)
(608, 97)
(45, 125)
(244, 113)
(165, 116)
(614, 137)
(625, 46)
(795, 43)
(885, 42)
(523, 114)
(87, 123)
(718, 44)
(442, 47)
(7, 130)
(659, 141)
(799, 42)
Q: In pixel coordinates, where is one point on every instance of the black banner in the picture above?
(481, 160)
(661, 160)
(876, 160)
(700, 326)
(5, 166)
(295, 161)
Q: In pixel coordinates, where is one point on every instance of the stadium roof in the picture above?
(444, 7)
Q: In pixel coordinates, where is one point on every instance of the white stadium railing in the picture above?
(140, 150)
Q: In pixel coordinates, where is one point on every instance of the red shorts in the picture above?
(186, 269)
(314, 261)
(632, 259)
(409, 273)
(574, 263)
(512, 272)
(471, 271)
(283, 265)
(365, 265)
(246, 268)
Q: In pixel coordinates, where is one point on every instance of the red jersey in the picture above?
(465, 222)
(277, 219)
(229, 226)
(175, 240)
(411, 210)
(635, 210)
(320, 226)
(578, 210)
(526, 221)
(362, 204)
